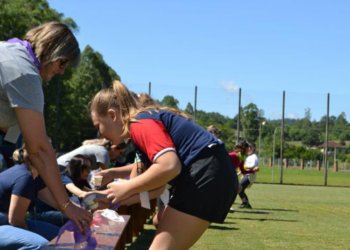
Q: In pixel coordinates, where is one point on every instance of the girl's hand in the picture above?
(107, 177)
(117, 191)
(255, 169)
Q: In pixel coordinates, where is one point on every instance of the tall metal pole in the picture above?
(259, 140)
(282, 137)
(261, 124)
(273, 154)
(325, 162)
(239, 113)
(149, 88)
(195, 103)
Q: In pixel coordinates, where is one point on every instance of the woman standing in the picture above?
(45, 51)
(173, 149)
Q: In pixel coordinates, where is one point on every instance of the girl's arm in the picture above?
(136, 197)
(166, 168)
(105, 203)
(122, 172)
(17, 211)
(75, 190)
(133, 173)
(113, 173)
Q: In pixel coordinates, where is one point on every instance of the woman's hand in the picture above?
(81, 217)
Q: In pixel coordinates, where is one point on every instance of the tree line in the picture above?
(302, 136)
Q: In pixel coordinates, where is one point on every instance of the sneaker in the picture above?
(245, 205)
(232, 210)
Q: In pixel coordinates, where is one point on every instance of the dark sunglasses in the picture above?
(87, 167)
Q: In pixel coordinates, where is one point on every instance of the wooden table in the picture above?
(108, 237)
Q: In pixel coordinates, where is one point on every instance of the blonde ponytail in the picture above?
(124, 102)
(20, 156)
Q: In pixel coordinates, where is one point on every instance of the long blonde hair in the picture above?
(53, 41)
(124, 102)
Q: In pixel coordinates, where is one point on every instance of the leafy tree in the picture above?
(312, 154)
(67, 114)
(189, 109)
(312, 138)
(169, 101)
(251, 120)
(295, 134)
(17, 17)
(341, 128)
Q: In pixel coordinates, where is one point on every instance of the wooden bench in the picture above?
(114, 238)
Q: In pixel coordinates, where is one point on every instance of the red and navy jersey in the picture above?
(156, 132)
(238, 163)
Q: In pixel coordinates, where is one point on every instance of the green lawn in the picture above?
(283, 217)
(303, 177)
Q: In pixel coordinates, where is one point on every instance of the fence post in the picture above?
(335, 166)
(239, 114)
(302, 164)
(325, 162)
(282, 137)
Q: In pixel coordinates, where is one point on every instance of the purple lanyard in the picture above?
(26, 44)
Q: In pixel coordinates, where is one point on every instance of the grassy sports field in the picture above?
(303, 177)
(283, 217)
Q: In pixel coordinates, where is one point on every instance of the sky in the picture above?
(264, 47)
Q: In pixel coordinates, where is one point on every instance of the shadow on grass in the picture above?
(250, 212)
(277, 209)
(222, 228)
(143, 241)
(265, 219)
(229, 222)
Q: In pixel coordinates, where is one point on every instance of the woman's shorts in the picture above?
(208, 187)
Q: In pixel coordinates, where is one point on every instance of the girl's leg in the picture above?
(243, 196)
(244, 182)
(18, 238)
(46, 230)
(178, 230)
(53, 217)
(157, 218)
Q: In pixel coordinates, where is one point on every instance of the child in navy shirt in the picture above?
(19, 186)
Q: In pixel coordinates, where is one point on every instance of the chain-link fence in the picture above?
(259, 119)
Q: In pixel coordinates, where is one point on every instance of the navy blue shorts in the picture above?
(208, 187)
